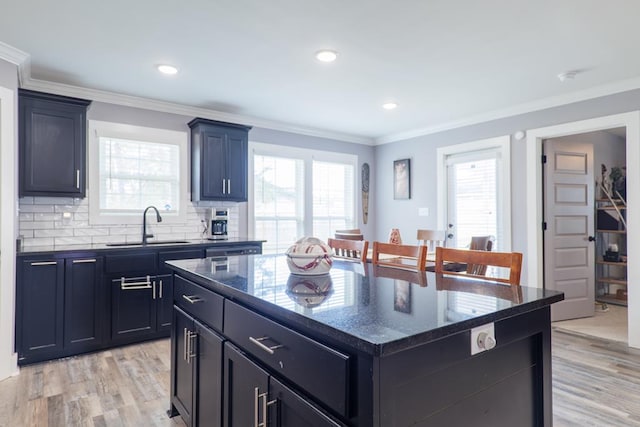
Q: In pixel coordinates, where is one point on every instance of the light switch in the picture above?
(423, 211)
(483, 338)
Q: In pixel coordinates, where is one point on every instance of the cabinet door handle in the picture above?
(160, 289)
(223, 187)
(256, 406)
(184, 350)
(228, 186)
(190, 347)
(78, 178)
(154, 289)
(192, 298)
(258, 342)
(135, 285)
(44, 263)
(80, 261)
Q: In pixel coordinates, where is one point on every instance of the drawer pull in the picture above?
(80, 261)
(135, 285)
(192, 298)
(44, 263)
(258, 342)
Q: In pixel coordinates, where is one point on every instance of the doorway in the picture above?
(535, 138)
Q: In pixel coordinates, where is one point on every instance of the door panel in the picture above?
(568, 212)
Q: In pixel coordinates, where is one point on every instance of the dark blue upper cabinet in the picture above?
(52, 149)
(219, 154)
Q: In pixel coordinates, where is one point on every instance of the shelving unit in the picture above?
(611, 267)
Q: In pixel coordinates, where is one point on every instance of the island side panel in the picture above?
(440, 383)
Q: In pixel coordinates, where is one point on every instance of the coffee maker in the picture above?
(219, 221)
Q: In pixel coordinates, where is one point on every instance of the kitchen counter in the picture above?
(106, 247)
(364, 345)
(363, 309)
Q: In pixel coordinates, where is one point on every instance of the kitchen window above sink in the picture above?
(133, 167)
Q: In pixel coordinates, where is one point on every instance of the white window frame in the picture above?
(99, 129)
(503, 145)
(308, 156)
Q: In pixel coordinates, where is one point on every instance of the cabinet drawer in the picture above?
(199, 302)
(131, 262)
(300, 359)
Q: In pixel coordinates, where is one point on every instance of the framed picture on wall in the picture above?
(402, 179)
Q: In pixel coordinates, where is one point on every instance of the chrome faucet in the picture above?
(145, 236)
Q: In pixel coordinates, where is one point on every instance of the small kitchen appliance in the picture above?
(219, 221)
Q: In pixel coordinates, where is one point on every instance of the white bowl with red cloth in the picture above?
(309, 256)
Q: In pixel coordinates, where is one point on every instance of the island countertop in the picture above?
(375, 310)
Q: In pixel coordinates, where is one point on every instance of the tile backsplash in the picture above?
(57, 221)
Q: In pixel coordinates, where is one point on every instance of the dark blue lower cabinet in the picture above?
(196, 382)
(40, 310)
(253, 397)
(85, 305)
(133, 308)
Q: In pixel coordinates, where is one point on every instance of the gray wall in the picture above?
(140, 117)
(403, 214)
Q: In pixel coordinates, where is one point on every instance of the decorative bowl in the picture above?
(309, 291)
(309, 256)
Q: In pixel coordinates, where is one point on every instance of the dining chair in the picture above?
(351, 234)
(417, 277)
(479, 243)
(501, 260)
(444, 282)
(349, 249)
(408, 257)
(431, 239)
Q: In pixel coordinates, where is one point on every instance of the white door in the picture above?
(568, 239)
(474, 198)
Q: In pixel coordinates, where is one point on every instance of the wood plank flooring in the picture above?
(595, 383)
(127, 386)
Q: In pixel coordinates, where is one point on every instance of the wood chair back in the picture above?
(510, 260)
(349, 249)
(408, 257)
(432, 239)
(479, 243)
(351, 234)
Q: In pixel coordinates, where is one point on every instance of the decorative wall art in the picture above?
(365, 193)
(402, 179)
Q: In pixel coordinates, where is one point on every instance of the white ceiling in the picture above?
(445, 62)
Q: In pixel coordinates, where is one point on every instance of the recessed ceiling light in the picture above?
(390, 105)
(167, 69)
(326, 55)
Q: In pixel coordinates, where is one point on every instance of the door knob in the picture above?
(592, 239)
(449, 236)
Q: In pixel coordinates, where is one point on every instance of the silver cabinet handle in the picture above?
(184, 350)
(256, 406)
(192, 298)
(77, 178)
(44, 263)
(190, 348)
(223, 187)
(154, 289)
(160, 289)
(258, 342)
(228, 186)
(135, 285)
(80, 261)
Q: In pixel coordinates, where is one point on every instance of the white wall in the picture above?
(8, 184)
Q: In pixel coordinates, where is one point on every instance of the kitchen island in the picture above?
(362, 346)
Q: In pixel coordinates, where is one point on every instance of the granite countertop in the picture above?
(373, 309)
(30, 250)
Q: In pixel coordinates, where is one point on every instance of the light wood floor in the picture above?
(595, 383)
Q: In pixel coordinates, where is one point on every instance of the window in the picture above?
(134, 167)
(298, 192)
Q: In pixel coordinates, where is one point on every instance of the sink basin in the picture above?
(155, 242)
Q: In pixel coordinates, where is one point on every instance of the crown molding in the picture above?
(541, 104)
(185, 110)
(11, 54)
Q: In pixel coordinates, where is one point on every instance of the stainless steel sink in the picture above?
(157, 242)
